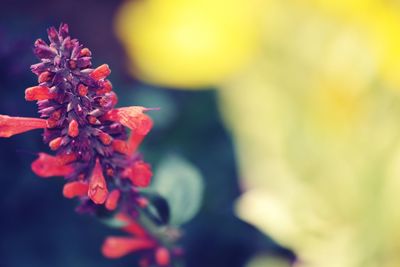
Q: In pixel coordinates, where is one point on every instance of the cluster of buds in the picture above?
(95, 144)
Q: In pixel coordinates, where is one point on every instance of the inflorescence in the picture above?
(89, 136)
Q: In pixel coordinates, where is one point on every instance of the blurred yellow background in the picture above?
(310, 93)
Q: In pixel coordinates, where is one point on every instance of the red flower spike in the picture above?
(139, 173)
(10, 126)
(55, 143)
(87, 112)
(47, 166)
(116, 247)
(162, 256)
(100, 72)
(132, 226)
(112, 200)
(38, 93)
(75, 189)
(73, 128)
(98, 191)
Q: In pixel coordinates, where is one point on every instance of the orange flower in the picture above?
(98, 191)
(46, 165)
(139, 173)
(10, 126)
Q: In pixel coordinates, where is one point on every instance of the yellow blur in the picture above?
(183, 44)
(315, 113)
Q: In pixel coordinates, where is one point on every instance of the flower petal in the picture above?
(98, 191)
(100, 72)
(133, 118)
(116, 247)
(112, 200)
(75, 189)
(162, 256)
(46, 165)
(139, 173)
(132, 226)
(38, 93)
(10, 126)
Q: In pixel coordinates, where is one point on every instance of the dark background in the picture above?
(38, 227)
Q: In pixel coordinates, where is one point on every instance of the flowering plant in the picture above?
(93, 151)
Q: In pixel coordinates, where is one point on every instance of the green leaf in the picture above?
(181, 184)
(113, 222)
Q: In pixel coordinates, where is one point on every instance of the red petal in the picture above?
(134, 141)
(105, 138)
(97, 186)
(106, 88)
(45, 76)
(82, 90)
(133, 118)
(73, 128)
(100, 72)
(55, 143)
(120, 146)
(132, 227)
(10, 126)
(46, 165)
(139, 173)
(85, 52)
(116, 247)
(75, 189)
(38, 93)
(66, 158)
(112, 200)
(162, 256)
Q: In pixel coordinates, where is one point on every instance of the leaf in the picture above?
(113, 222)
(181, 184)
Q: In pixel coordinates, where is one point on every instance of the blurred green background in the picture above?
(289, 109)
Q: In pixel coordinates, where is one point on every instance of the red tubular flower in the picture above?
(116, 247)
(75, 189)
(139, 173)
(112, 200)
(46, 165)
(132, 226)
(98, 191)
(10, 126)
(38, 93)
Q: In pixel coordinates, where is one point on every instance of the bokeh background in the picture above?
(289, 109)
